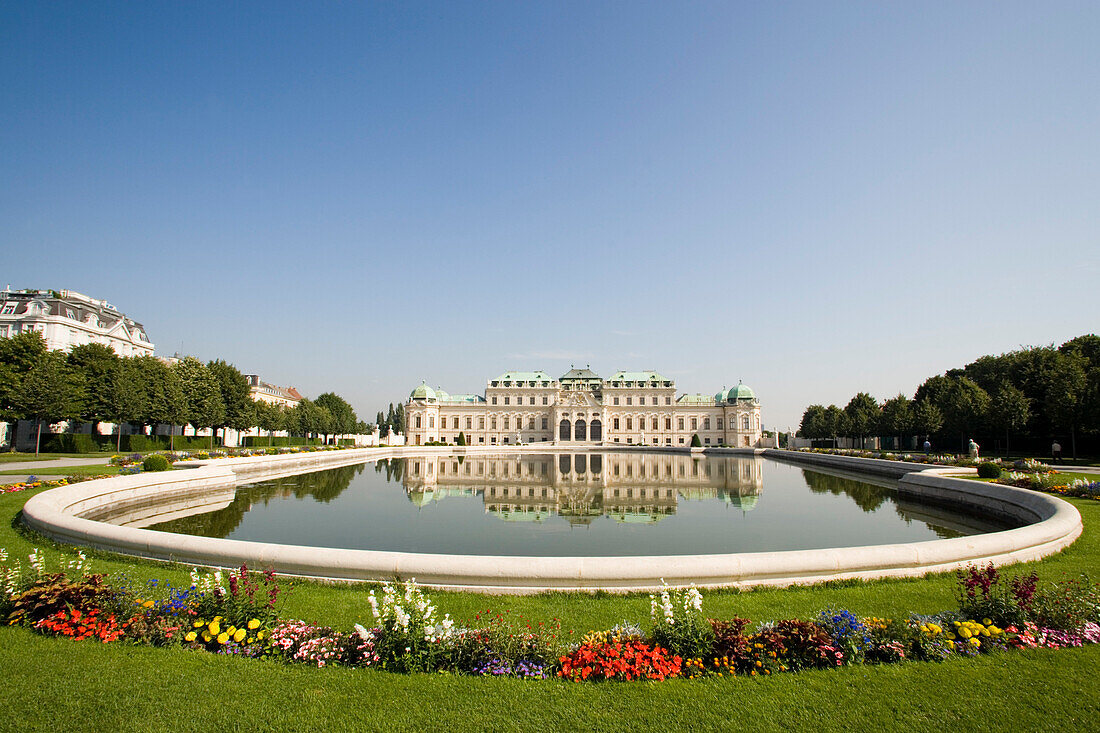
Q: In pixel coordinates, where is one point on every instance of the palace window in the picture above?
(706, 424)
(493, 424)
(745, 423)
(616, 400)
(596, 434)
(544, 401)
(544, 423)
(507, 400)
(506, 423)
(654, 423)
(668, 423)
(431, 421)
(629, 400)
(564, 432)
(615, 424)
(733, 423)
(454, 423)
(481, 423)
(494, 399)
(469, 423)
(9, 308)
(531, 424)
(694, 423)
(580, 430)
(680, 425)
(418, 421)
(629, 424)
(531, 400)
(668, 400)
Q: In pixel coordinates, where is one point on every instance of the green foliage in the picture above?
(17, 355)
(988, 469)
(235, 397)
(863, 415)
(72, 443)
(202, 398)
(56, 592)
(695, 442)
(461, 440)
(679, 624)
(95, 365)
(155, 462)
(342, 417)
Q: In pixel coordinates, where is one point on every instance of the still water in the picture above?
(575, 504)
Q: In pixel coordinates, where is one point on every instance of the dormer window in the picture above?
(70, 314)
(9, 308)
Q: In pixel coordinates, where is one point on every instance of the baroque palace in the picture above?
(581, 408)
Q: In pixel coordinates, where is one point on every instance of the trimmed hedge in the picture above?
(85, 443)
(264, 441)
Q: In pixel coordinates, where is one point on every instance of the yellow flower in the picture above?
(259, 635)
(223, 637)
(206, 636)
(964, 632)
(974, 641)
(215, 627)
(198, 624)
(986, 621)
(147, 604)
(190, 636)
(231, 630)
(239, 635)
(254, 624)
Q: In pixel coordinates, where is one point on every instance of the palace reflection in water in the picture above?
(628, 487)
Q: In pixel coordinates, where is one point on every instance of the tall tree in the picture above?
(17, 355)
(964, 405)
(1067, 393)
(813, 424)
(201, 394)
(343, 416)
(235, 396)
(399, 415)
(897, 417)
(96, 365)
(124, 399)
(48, 390)
(927, 418)
(1008, 409)
(836, 422)
(863, 414)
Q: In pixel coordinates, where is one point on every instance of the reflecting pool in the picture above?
(597, 504)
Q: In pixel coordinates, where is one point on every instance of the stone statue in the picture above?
(973, 448)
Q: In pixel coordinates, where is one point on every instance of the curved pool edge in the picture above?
(1051, 525)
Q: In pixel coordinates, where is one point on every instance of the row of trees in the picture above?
(1035, 393)
(392, 422)
(93, 384)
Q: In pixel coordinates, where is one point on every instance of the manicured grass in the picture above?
(97, 470)
(57, 684)
(20, 457)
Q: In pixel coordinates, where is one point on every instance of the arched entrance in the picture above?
(580, 430)
(596, 430)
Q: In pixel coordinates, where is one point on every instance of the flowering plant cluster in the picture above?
(33, 482)
(235, 613)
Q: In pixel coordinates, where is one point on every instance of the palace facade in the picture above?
(582, 408)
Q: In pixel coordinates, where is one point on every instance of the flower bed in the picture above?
(134, 460)
(237, 614)
(33, 482)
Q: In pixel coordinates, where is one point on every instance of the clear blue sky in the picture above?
(817, 198)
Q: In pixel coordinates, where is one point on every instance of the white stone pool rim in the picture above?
(1051, 524)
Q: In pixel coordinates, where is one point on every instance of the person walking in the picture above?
(1056, 451)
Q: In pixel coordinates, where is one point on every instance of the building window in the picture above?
(531, 400)
(9, 308)
(629, 400)
(654, 423)
(454, 423)
(506, 423)
(545, 423)
(418, 421)
(597, 434)
(544, 401)
(745, 423)
(615, 424)
(681, 443)
(706, 423)
(733, 423)
(668, 400)
(616, 400)
(668, 423)
(507, 400)
(629, 424)
(564, 431)
(481, 423)
(469, 423)
(580, 430)
(680, 425)
(694, 423)
(531, 424)
(493, 424)
(494, 399)
(431, 421)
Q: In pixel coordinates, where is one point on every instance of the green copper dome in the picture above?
(720, 396)
(441, 395)
(423, 392)
(740, 392)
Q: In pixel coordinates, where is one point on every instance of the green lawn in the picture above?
(57, 684)
(20, 457)
(99, 470)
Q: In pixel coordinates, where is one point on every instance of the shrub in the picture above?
(808, 645)
(982, 594)
(1066, 605)
(989, 469)
(155, 462)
